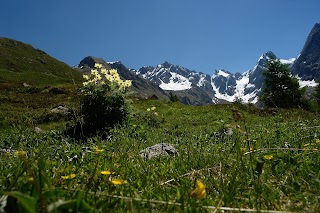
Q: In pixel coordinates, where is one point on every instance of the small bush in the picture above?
(33, 90)
(57, 91)
(173, 98)
(103, 103)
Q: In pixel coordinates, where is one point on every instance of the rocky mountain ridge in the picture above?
(223, 86)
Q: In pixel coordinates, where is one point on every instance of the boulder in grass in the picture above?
(38, 130)
(161, 149)
(26, 85)
(60, 109)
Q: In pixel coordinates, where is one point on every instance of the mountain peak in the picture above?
(90, 61)
(265, 57)
(317, 25)
(269, 54)
(166, 64)
(307, 65)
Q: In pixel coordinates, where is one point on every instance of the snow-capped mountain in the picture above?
(226, 86)
(222, 86)
(197, 88)
(192, 87)
(171, 77)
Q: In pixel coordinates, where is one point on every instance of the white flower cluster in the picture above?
(101, 76)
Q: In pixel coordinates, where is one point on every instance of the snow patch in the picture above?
(176, 83)
(289, 61)
(222, 73)
(201, 81)
(307, 83)
(113, 62)
(241, 85)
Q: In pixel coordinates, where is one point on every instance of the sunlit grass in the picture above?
(270, 162)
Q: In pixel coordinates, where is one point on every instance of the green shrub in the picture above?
(33, 90)
(103, 104)
(57, 91)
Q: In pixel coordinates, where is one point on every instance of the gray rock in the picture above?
(60, 109)
(26, 85)
(222, 132)
(158, 150)
(38, 130)
(228, 131)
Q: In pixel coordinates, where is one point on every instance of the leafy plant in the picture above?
(173, 98)
(103, 103)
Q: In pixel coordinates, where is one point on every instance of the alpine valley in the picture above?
(21, 63)
(196, 88)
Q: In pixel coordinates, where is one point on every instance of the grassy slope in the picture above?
(289, 181)
(21, 63)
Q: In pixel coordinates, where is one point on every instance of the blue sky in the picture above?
(201, 35)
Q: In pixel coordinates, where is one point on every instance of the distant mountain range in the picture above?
(197, 88)
(20, 62)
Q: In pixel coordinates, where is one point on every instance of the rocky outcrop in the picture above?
(161, 149)
(307, 65)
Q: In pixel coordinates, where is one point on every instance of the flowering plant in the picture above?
(103, 102)
(103, 80)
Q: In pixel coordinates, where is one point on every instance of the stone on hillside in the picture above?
(26, 85)
(158, 150)
(38, 130)
(60, 109)
(228, 131)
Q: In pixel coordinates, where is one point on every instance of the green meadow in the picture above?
(268, 162)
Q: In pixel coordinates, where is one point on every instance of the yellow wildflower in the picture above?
(104, 71)
(98, 66)
(98, 77)
(153, 108)
(97, 150)
(107, 172)
(113, 73)
(268, 157)
(20, 152)
(94, 72)
(155, 113)
(128, 83)
(243, 150)
(30, 179)
(109, 78)
(86, 77)
(148, 109)
(71, 176)
(119, 181)
(200, 190)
